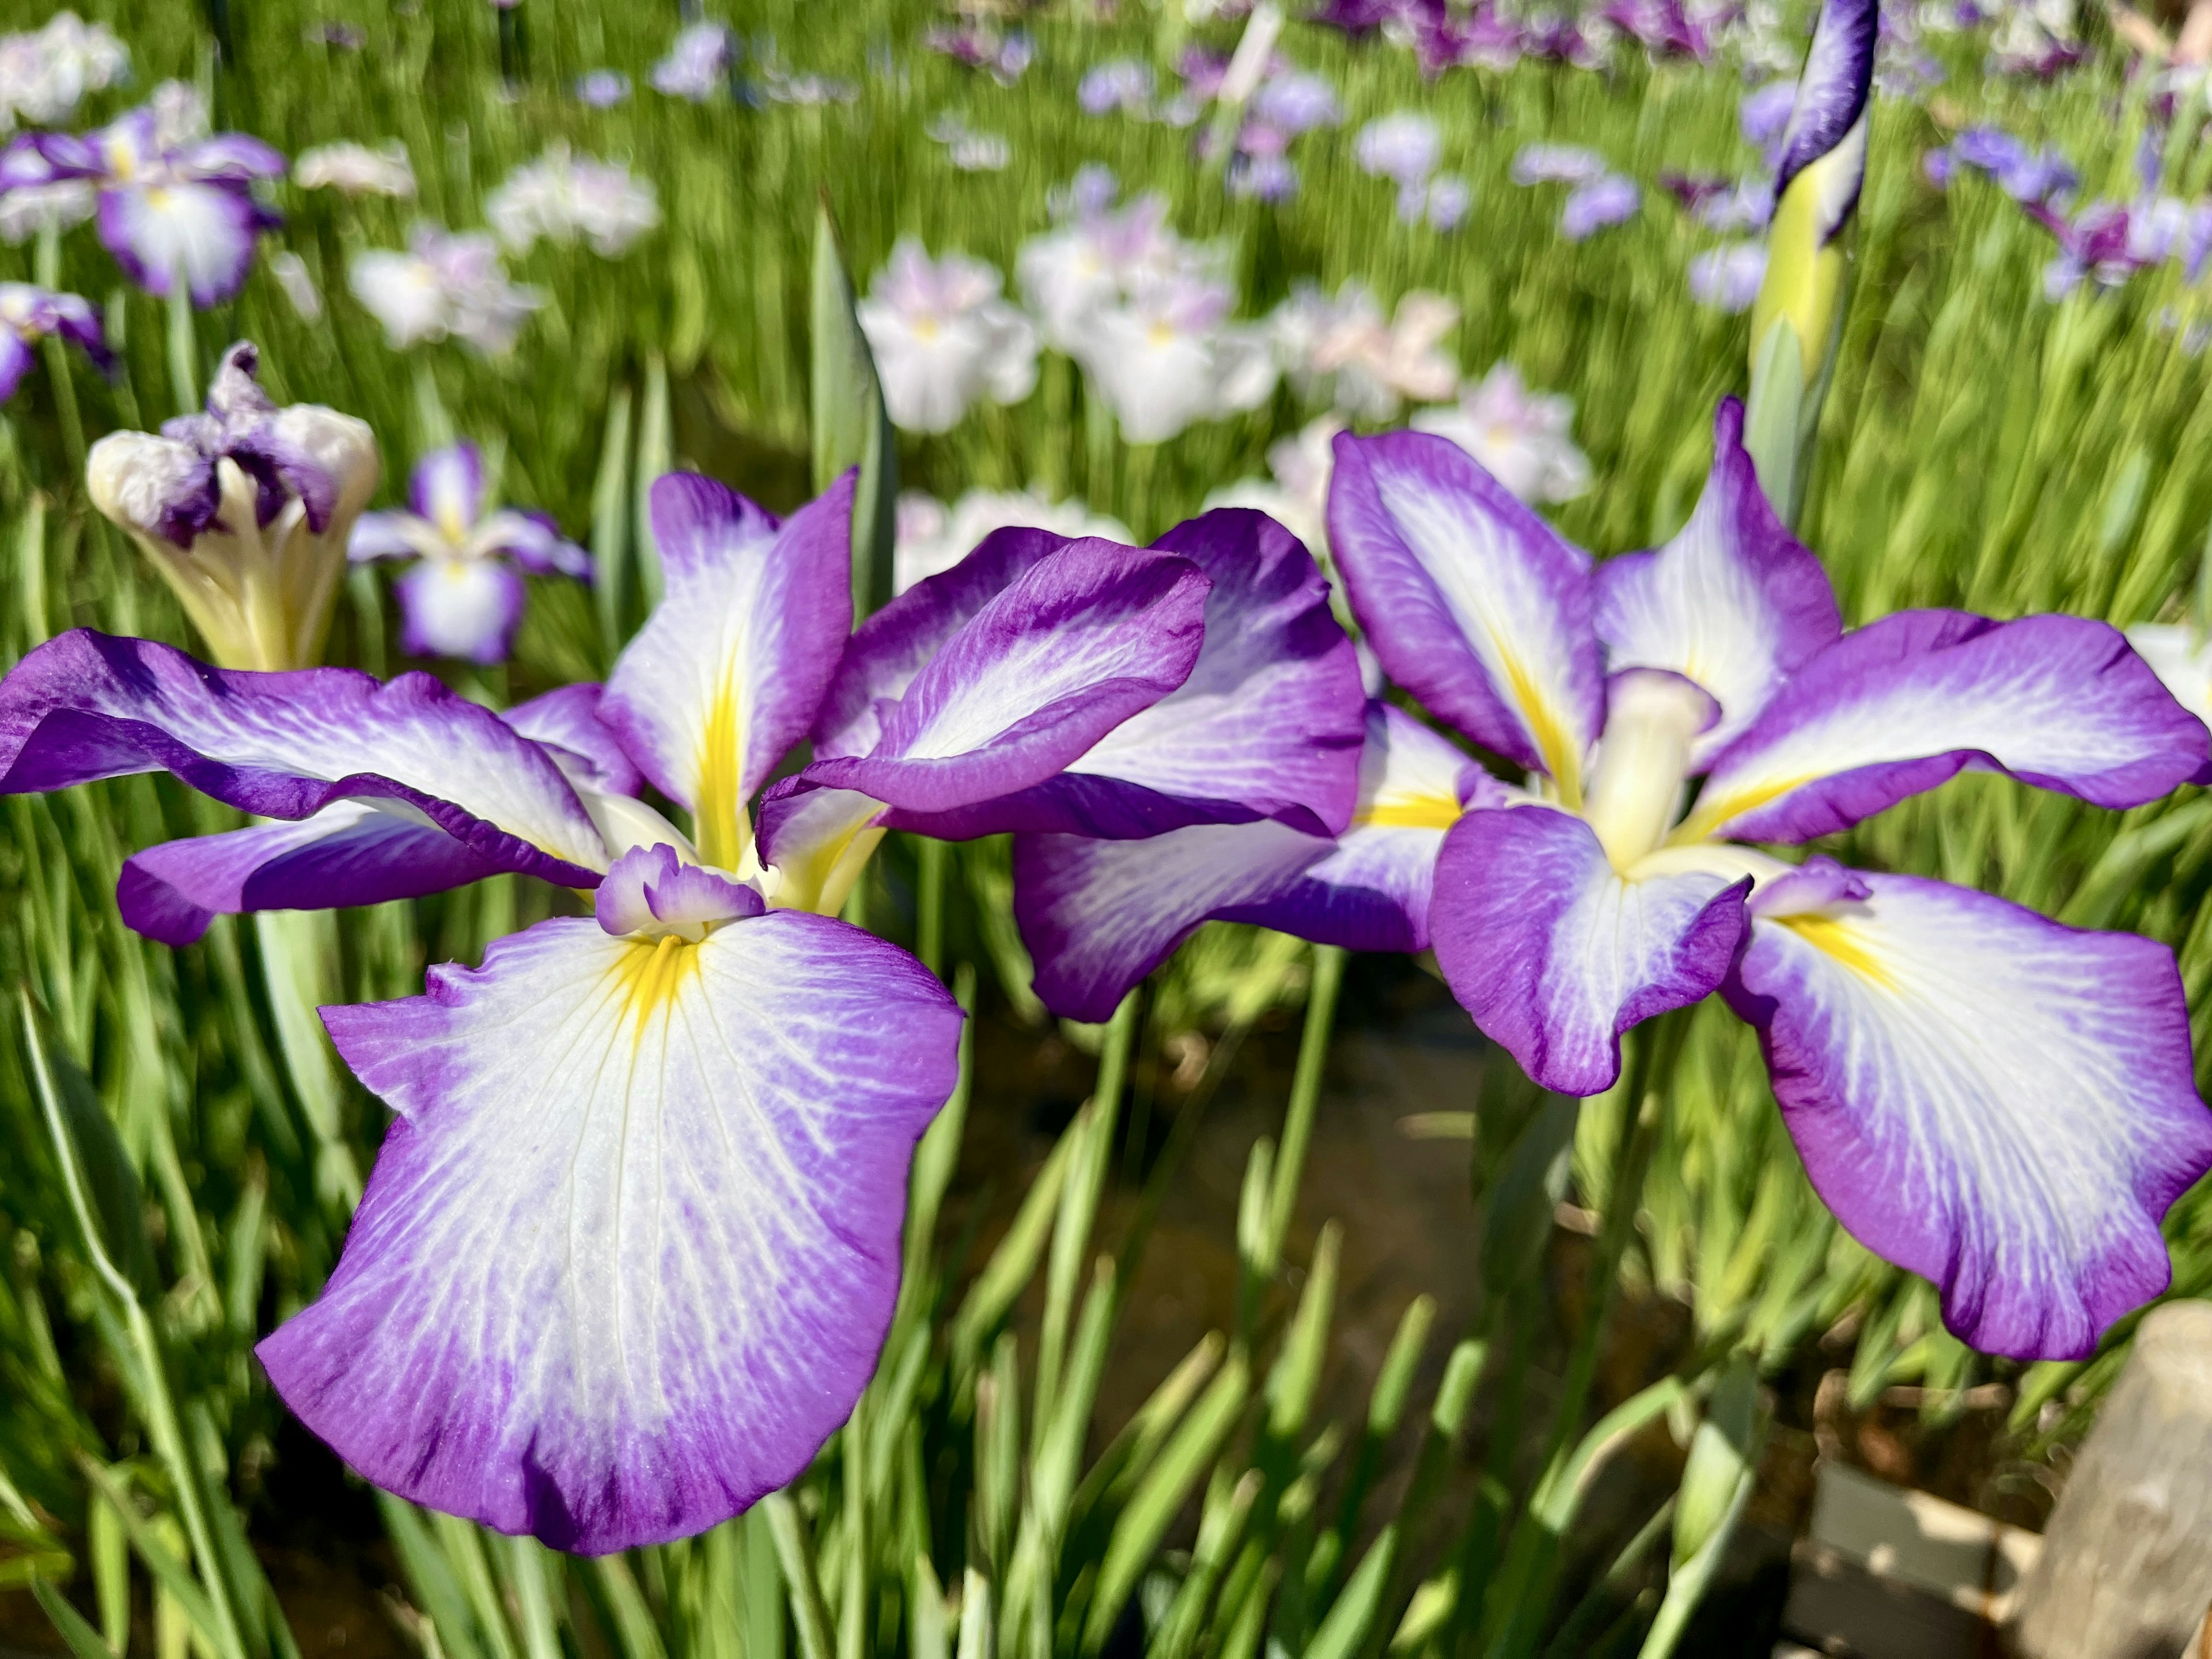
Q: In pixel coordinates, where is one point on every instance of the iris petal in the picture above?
(1732, 603)
(1474, 604)
(1907, 702)
(1555, 954)
(631, 1246)
(1996, 1101)
(725, 675)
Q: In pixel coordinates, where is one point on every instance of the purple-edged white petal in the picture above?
(533, 541)
(630, 1249)
(1268, 725)
(447, 489)
(1075, 646)
(2182, 659)
(651, 891)
(232, 157)
(1099, 915)
(85, 705)
(1555, 954)
(1473, 602)
(200, 234)
(728, 671)
(352, 852)
(392, 536)
(15, 361)
(1733, 603)
(891, 646)
(566, 721)
(467, 609)
(2001, 1103)
(1906, 703)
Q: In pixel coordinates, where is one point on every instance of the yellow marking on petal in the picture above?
(1836, 940)
(1710, 814)
(1409, 813)
(1561, 754)
(650, 976)
(719, 814)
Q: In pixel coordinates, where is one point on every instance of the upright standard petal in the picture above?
(1474, 604)
(1075, 645)
(86, 706)
(2001, 1103)
(729, 671)
(1733, 603)
(566, 722)
(630, 1247)
(447, 489)
(1269, 724)
(1907, 702)
(1555, 954)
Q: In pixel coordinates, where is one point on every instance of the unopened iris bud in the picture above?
(1816, 191)
(245, 511)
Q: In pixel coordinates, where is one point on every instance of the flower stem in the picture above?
(184, 349)
(1509, 1624)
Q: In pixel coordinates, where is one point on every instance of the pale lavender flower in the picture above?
(44, 75)
(1449, 197)
(1167, 355)
(292, 276)
(1344, 350)
(1097, 254)
(444, 285)
(1555, 164)
(603, 88)
(944, 339)
(1524, 439)
(698, 63)
(1296, 103)
(562, 198)
(969, 150)
(1262, 177)
(1122, 86)
(1604, 202)
(1404, 147)
(1728, 278)
(1764, 113)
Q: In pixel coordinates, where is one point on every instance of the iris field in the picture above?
(2011, 420)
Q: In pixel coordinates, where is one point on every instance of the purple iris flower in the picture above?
(2029, 176)
(1728, 278)
(1608, 200)
(1123, 86)
(176, 205)
(28, 315)
(712, 1085)
(1764, 113)
(602, 89)
(1663, 28)
(462, 598)
(2003, 1104)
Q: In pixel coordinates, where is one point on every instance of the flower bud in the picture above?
(1816, 189)
(245, 510)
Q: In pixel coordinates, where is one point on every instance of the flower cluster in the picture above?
(1146, 313)
(1405, 149)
